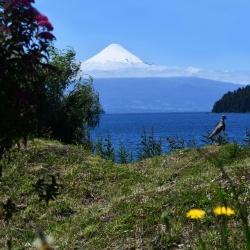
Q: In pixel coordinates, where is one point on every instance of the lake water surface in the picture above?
(127, 128)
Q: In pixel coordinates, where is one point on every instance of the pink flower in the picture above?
(46, 35)
(40, 17)
(25, 2)
(46, 24)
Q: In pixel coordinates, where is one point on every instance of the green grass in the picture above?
(103, 205)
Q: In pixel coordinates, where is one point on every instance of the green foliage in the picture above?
(87, 142)
(24, 42)
(219, 140)
(191, 143)
(234, 102)
(104, 148)
(149, 145)
(124, 155)
(8, 209)
(47, 191)
(176, 143)
(99, 146)
(225, 155)
(69, 106)
(206, 140)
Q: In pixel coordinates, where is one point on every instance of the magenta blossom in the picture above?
(25, 2)
(46, 35)
(46, 24)
(40, 17)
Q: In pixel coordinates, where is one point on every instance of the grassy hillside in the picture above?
(85, 202)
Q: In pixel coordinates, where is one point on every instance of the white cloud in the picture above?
(109, 70)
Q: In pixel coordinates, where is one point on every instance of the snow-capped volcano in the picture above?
(114, 53)
(113, 61)
(116, 61)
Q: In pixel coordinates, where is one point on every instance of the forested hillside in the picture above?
(160, 94)
(234, 102)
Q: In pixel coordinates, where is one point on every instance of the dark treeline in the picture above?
(234, 102)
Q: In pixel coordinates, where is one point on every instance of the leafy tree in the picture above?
(24, 40)
(234, 102)
(69, 106)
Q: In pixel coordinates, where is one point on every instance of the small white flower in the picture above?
(38, 243)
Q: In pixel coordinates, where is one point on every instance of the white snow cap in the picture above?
(114, 53)
(116, 61)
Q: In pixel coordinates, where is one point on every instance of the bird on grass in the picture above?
(219, 128)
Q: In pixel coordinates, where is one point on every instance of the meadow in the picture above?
(85, 202)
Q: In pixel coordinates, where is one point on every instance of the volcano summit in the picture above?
(127, 84)
(116, 61)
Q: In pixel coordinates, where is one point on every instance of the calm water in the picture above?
(127, 128)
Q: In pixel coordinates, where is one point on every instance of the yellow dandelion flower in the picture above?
(223, 211)
(196, 213)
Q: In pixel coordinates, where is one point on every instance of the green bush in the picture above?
(69, 106)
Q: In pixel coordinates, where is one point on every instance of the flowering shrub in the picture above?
(25, 35)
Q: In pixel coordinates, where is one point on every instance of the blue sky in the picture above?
(209, 34)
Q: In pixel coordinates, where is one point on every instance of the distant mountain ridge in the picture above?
(127, 84)
(155, 94)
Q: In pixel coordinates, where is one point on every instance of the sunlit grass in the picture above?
(142, 205)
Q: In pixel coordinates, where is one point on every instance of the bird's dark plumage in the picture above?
(219, 128)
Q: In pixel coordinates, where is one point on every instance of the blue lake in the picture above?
(127, 128)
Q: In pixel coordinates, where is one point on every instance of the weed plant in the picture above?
(104, 148)
(124, 155)
(149, 146)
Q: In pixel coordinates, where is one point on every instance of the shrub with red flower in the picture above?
(25, 2)
(45, 24)
(25, 37)
(46, 35)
